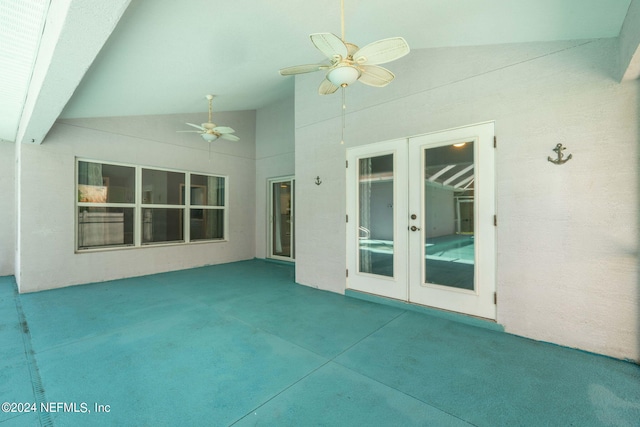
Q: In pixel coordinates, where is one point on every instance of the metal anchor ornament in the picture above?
(559, 160)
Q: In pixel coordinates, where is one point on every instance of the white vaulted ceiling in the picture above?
(21, 26)
(146, 57)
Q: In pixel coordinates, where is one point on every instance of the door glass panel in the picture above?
(449, 215)
(282, 224)
(375, 207)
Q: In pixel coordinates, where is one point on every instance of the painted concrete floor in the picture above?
(241, 344)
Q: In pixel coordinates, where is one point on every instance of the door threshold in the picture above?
(443, 314)
(278, 261)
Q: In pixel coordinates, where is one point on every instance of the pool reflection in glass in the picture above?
(449, 215)
(375, 207)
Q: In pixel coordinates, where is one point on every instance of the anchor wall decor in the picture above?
(559, 160)
(318, 180)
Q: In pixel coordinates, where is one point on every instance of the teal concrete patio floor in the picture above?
(242, 344)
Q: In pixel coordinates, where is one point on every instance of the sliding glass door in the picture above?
(281, 219)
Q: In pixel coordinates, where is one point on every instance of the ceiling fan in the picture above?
(211, 131)
(349, 63)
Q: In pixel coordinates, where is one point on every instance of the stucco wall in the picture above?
(7, 208)
(274, 158)
(567, 269)
(47, 179)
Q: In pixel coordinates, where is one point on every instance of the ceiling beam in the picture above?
(458, 175)
(442, 171)
(74, 33)
(466, 180)
(629, 43)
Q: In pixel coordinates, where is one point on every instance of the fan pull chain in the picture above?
(344, 110)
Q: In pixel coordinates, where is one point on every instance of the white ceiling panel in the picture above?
(21, 24)
(164, 56)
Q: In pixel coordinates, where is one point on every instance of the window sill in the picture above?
(148, 245)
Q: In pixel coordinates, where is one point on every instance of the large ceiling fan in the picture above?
(349, 63)
(211, 131)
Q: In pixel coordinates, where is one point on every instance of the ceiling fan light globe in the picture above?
(343, 75)
(209, 137)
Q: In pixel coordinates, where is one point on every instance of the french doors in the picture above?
(421, 220)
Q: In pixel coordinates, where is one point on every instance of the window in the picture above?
(121, 205)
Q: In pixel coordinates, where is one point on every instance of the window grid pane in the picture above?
(162, 225)
(104, 227)
(207, 190)
(162, 187)
(207, 224)
(105, 183)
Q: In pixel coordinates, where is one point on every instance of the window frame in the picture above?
(137, 205)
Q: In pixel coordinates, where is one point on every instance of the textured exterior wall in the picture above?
(47, 182)
(7, 208)
(567, 267)
(274, 158)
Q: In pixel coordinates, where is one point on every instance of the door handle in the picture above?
(414, 228)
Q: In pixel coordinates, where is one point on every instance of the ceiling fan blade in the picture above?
(190, 131)
(382, 51)
(223, 129)
(374, 75)
(329, 44)
(229, 137)
(300, 69)
(327, 88)
(196, 126)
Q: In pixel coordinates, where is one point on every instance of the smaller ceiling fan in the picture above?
(349, 63)
(211, 131)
